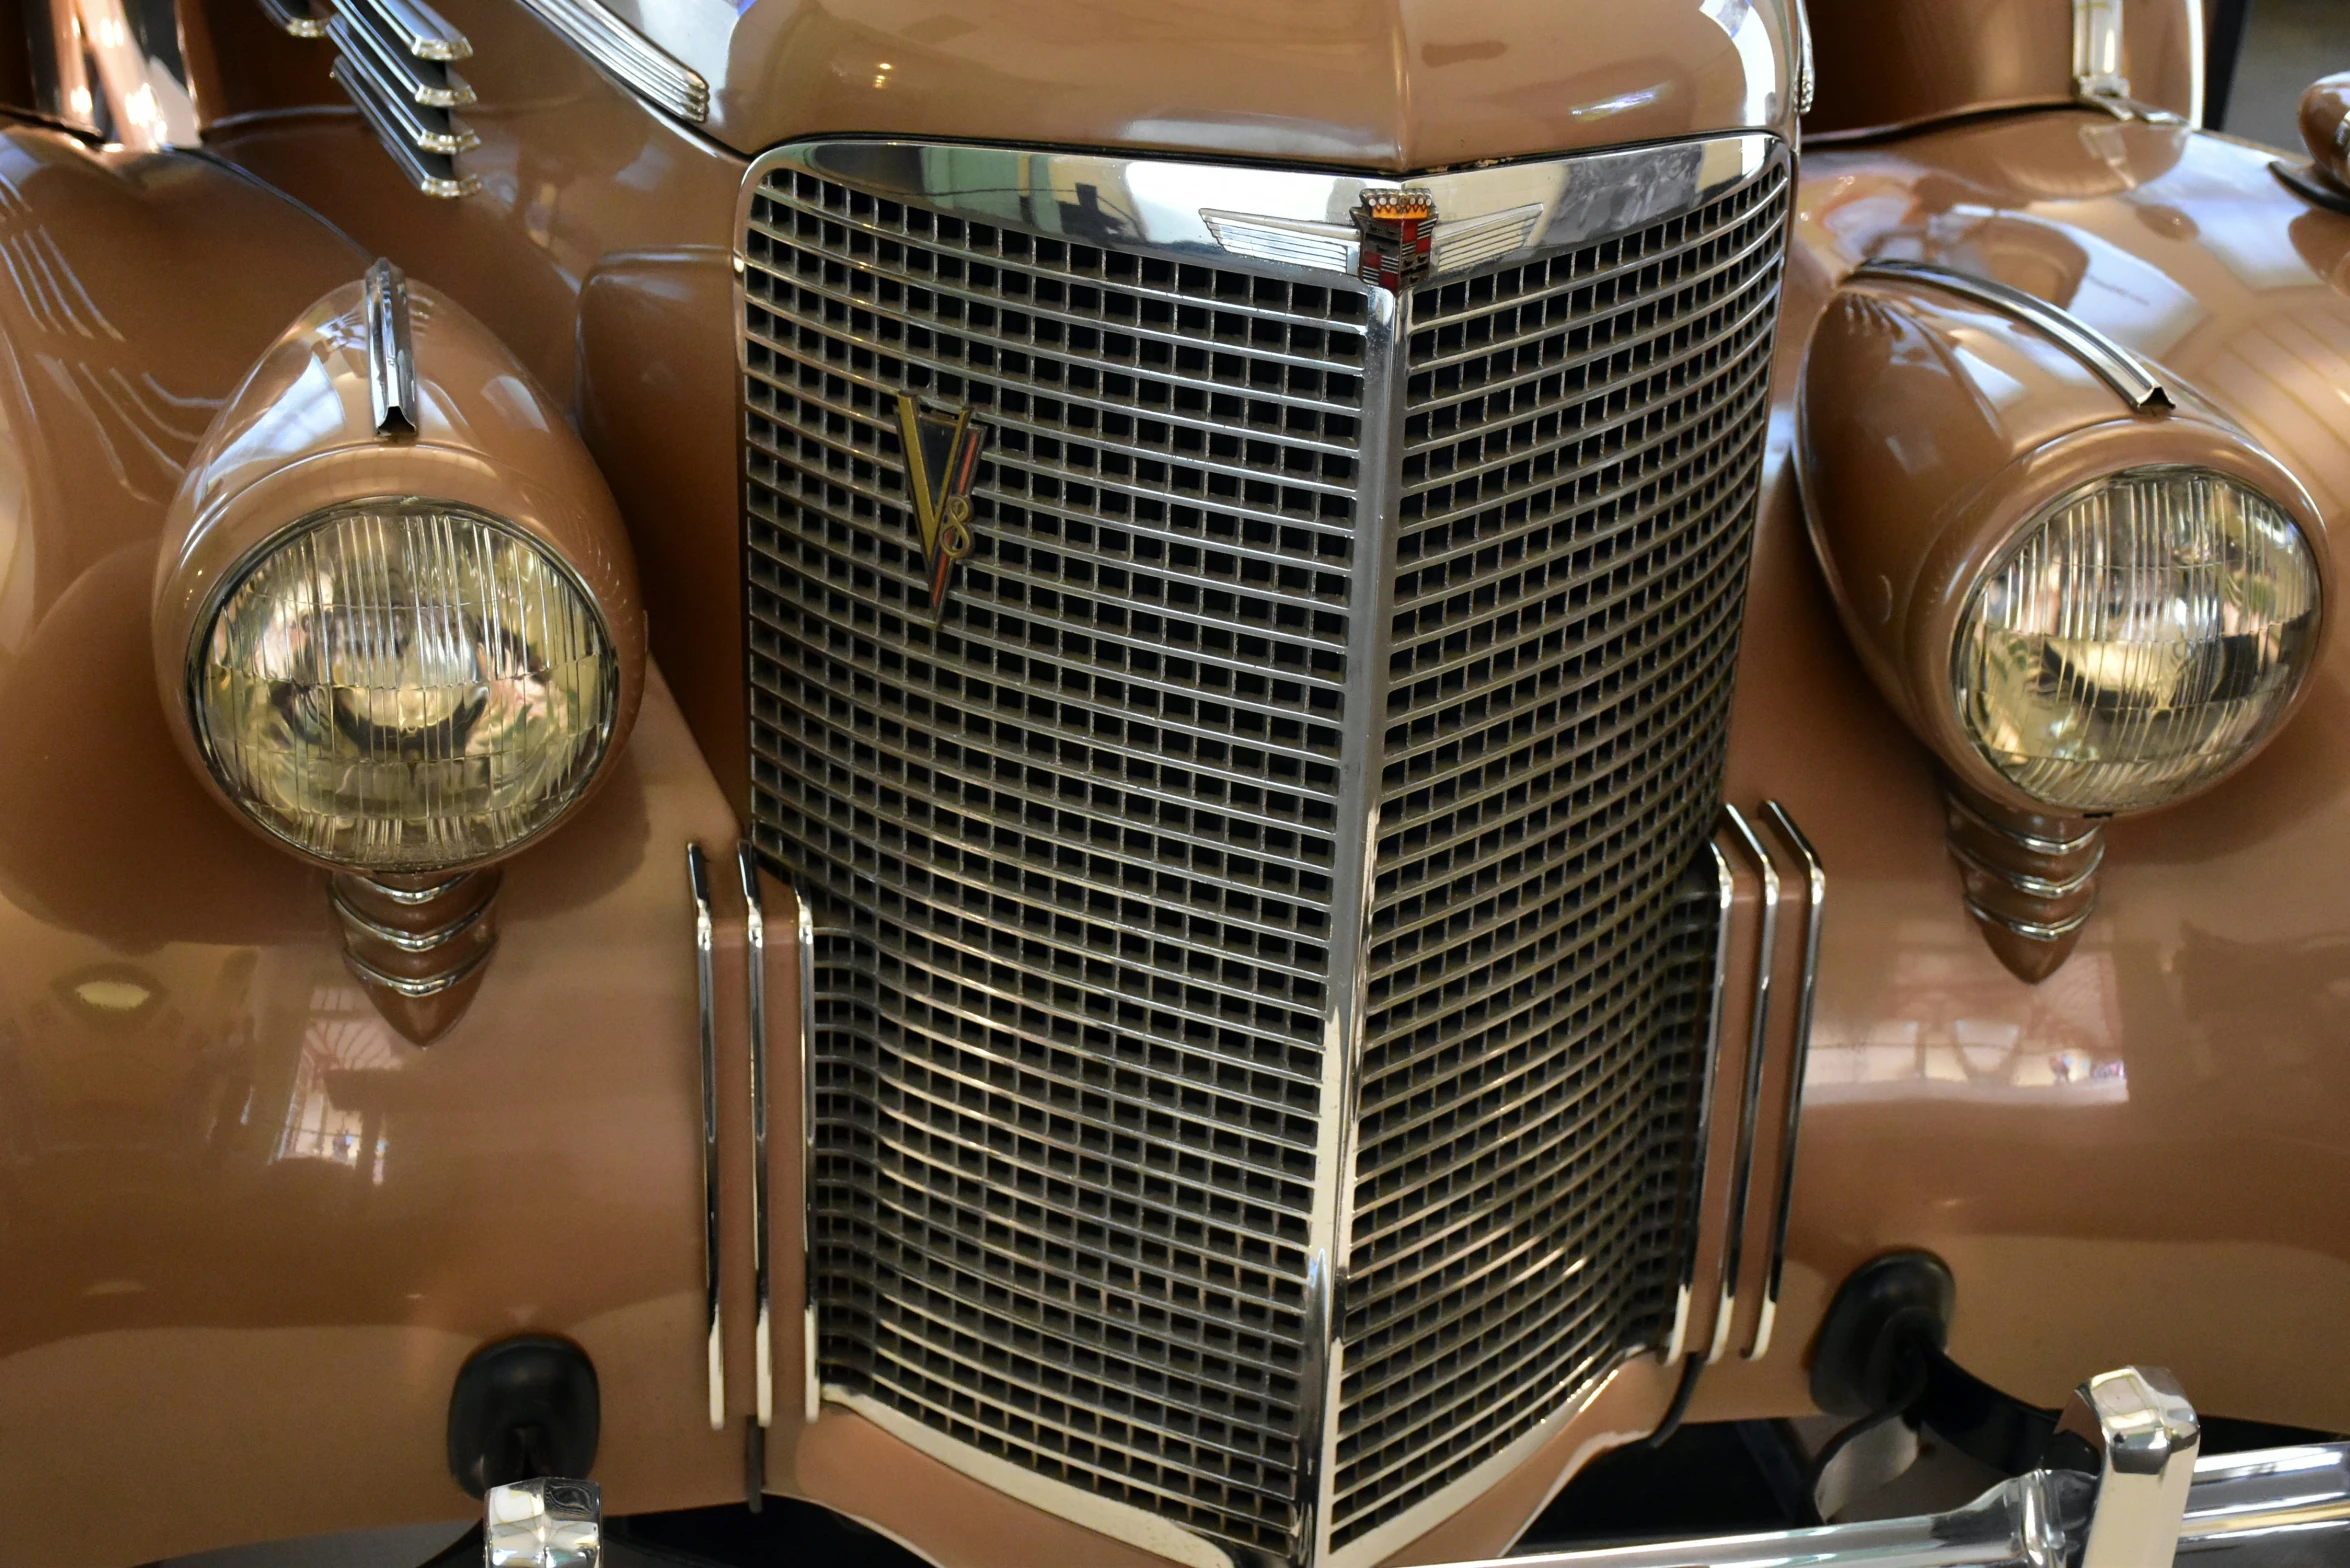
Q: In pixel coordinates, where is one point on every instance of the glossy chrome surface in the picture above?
(1289, 223)
(619, 48)
(418, 958)
(1750, 1097)
(296, 22)
(2137, 382)
(2098, 55)
(1724, 892)
(1410, 85)
(391, 351)
(413, 27)
(543, 1524)
(755, 950)
(1815, 881)
(420, 129)
(2143, 1436)
(112, 69)
(811, 1325)
(433, 173)
(1355, 997)
(697, 872)
(400, 76)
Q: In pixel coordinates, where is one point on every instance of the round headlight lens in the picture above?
(2141, 638)
(403, 686)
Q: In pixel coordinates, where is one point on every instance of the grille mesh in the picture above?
(1582, 442)
(1076, 833)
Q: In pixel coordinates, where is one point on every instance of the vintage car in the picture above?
(1139, 782)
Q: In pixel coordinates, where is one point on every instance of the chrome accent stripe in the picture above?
(2032, 930)
(1677, 1342)
(1750, 1097)
(431, 86)
(755, 957)
(811, 1335)
(294, 22)
(432, 173)
(417, 28)
(697, 872)
(408, 941)
(417, 990)
(416, 896)
(2054, 848)
(643, 67)
(1806, 74)
(412, 126)
(391, 355)
(1799, 1057)
(2136, 381)
(2024, 881)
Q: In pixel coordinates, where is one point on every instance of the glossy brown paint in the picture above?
(253, 1233)
(299, 438)
(2134, 1160)
(2325, 127)
(1933, 433)
(1886, 64)
(1393, 84)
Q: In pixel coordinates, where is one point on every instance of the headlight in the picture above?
(2140, 638)
(403, 686)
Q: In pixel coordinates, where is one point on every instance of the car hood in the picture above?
(1388, 85)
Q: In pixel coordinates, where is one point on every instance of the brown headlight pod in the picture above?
(298, 445)
(396, 624)
(1935, 430)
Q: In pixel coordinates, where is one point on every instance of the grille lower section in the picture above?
(1078, 838)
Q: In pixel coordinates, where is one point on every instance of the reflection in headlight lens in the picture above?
(404, 686)
(2137, 642)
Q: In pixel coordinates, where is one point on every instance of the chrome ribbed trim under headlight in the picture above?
(1253, 1080)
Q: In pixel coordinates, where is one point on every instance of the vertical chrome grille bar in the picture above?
(1701, 1138)
(697, 872)
(763, 1332)
(1816, 890)
(1750, 1098)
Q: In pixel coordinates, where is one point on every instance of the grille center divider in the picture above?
(1254, 1075)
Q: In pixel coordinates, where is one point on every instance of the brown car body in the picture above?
(251, 1233)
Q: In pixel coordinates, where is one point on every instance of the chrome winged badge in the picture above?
(942, 461)
(1399, 231)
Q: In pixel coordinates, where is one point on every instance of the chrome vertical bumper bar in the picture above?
(1816, 886)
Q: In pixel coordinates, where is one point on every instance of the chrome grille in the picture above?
(1080, 828)
(1079, 837)
(1581, 448)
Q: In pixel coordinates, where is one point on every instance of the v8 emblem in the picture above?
(942, 461)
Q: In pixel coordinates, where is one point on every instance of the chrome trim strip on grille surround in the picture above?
(1702, 1137)
(1758, 1036)
(1087, 309)
(2138, 383)
(811, 1337)
(643, 67)
(1815, 878)
(763, 1327)
(697, 872)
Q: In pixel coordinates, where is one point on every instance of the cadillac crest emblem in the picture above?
(1398, 227)
(942, 461)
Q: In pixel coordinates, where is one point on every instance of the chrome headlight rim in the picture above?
(209, 607)
(2236, 464)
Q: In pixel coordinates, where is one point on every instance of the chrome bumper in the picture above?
(2150, 1501)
